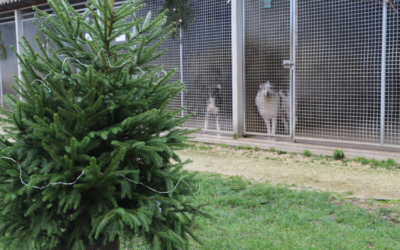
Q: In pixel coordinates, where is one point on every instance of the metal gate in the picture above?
(267, 45)
(338, 71)
(207, 65)
(346, 74)
(203, 55)
(392, 102)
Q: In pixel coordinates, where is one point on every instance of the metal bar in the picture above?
(244, 66)
(237, 8)
(34, 18)
(267, 135)
(181, 64)
(346, 142)
(1, 86)
(293, 27)
(291, 70)
(383, 72)
(18, 34)
(7, 18)
(212, 130)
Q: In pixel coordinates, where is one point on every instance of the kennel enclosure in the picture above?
(338, 60)
(343, 60)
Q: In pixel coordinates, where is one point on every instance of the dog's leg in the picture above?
(274, 125)
(217, 121)
(268, 124)
(206, 122)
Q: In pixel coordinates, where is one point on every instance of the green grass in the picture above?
(260, 216)
(338, 154)
(223, 145)
(389, 164)
(243, 147)
(272, 149)
(281, 152)
(307, 153)
(205, 147)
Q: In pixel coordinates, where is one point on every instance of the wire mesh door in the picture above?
(267, 45)
(392, 102)
(338, 71)
(8, 63)
(207, 66)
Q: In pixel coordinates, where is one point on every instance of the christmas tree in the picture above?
(88, 156)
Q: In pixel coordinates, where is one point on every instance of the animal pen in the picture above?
(339, 62)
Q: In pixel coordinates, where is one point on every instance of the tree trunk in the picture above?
(99, 246)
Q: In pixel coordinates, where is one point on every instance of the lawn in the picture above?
(261, 216)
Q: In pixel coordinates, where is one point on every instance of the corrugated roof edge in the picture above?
(17, 4)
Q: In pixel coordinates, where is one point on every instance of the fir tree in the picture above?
(89, 155)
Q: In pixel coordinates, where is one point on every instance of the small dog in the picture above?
(267, 102)
(285, 109)
(213, 99)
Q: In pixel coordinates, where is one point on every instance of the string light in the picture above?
(83, 172)
(199, 189)
(108, 59)
(43, 187)
(139, 183)
(37, 80)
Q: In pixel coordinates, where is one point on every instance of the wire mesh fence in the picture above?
(207, 66)
(392, 101)
(267, 41)
(9, 66)
(338, 70)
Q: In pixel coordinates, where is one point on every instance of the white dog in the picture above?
(285, 109)
(267, 102)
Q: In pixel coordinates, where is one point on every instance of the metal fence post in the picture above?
(18, 34)
(293, 33)
(238, 100)
(181, 64)
(383, 72)
(1, 87)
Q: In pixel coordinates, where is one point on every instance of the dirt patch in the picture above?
(301, 172)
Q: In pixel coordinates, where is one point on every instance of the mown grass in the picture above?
(261, 216)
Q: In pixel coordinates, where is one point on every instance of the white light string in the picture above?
(62, 68)
(83, 172)
(139, 183)
(43, 187)
(38, 80)
(108, 59)
(199, 189)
